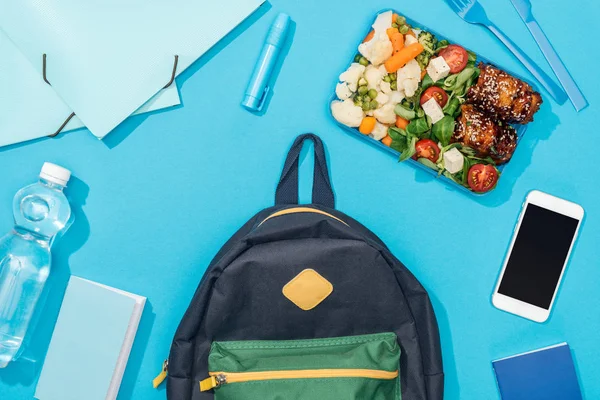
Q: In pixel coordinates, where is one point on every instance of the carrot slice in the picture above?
(394, 17)
(396, 38)
(401, 122)
(367, 125)
(423, 73)
(369, 36)
(387, 141)
(401, 58)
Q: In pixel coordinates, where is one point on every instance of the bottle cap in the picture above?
(55, 174)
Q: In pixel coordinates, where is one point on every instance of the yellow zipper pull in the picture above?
(162, 376)
(212, 382)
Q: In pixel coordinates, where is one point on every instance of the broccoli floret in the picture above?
(423, 60)
(429, 42)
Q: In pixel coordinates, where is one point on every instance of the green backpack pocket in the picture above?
(353, 367)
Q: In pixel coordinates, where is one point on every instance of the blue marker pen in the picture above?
(257, 90)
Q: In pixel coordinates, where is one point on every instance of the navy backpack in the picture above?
(304, 303)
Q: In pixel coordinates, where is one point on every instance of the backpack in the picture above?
(304, 302)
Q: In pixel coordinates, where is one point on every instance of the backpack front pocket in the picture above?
(343, 368)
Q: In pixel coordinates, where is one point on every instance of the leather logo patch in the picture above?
(308, 289)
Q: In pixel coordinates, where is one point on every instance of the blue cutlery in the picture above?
(472, 12)
(523, 7)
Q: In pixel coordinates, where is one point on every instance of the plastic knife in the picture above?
(523, 7)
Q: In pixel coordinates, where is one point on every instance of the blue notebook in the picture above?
(91, 343)
(544, 374)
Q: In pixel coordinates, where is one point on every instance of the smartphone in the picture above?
(537, 257)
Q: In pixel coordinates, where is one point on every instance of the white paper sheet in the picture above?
(105, 58)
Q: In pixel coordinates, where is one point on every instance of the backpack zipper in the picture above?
(218, 379)
(156, 382)
(297, 210)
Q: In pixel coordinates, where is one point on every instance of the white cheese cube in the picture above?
(433, 110)
(453, 161)
(438, 69)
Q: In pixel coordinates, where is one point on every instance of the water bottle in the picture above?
(41, 211)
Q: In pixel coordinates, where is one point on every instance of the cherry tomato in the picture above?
(482, 178)
(427, 148)
(439, 94)
(456, 57)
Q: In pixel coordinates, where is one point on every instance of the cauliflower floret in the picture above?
(417, 32)
(379, 132)
(347, 113)
(386, 114)
(352, 75)
(381, 98)
(410, 87)
(383, 21)
(342, 91)
(411, 71)
(409, 39)
(379, 48)
(385, 87)
(409, 77)
(395, 97)
(373, 76)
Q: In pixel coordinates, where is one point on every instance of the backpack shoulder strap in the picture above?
(287, 189)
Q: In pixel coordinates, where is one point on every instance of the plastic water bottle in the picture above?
(41, 211)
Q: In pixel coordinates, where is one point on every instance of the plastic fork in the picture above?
(472, 12)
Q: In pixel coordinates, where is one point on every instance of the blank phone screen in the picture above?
(538, 256)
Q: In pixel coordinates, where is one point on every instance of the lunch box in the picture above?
(520, 129)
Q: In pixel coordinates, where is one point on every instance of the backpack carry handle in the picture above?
(287, 189)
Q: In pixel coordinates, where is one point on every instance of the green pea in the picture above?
(363, 61)
(404, 29)
(387, 78)
(393, 76)
(362, 90)
(395, 25)
(374, 104)
(357, 58)
(394, 85)
(366, 106)
(358, 102)
(400, 21)
(372, 93)
(362, 82)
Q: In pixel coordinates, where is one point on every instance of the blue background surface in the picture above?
(159, 197)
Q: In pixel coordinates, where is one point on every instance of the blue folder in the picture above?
(544, 374)
(31, 109)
